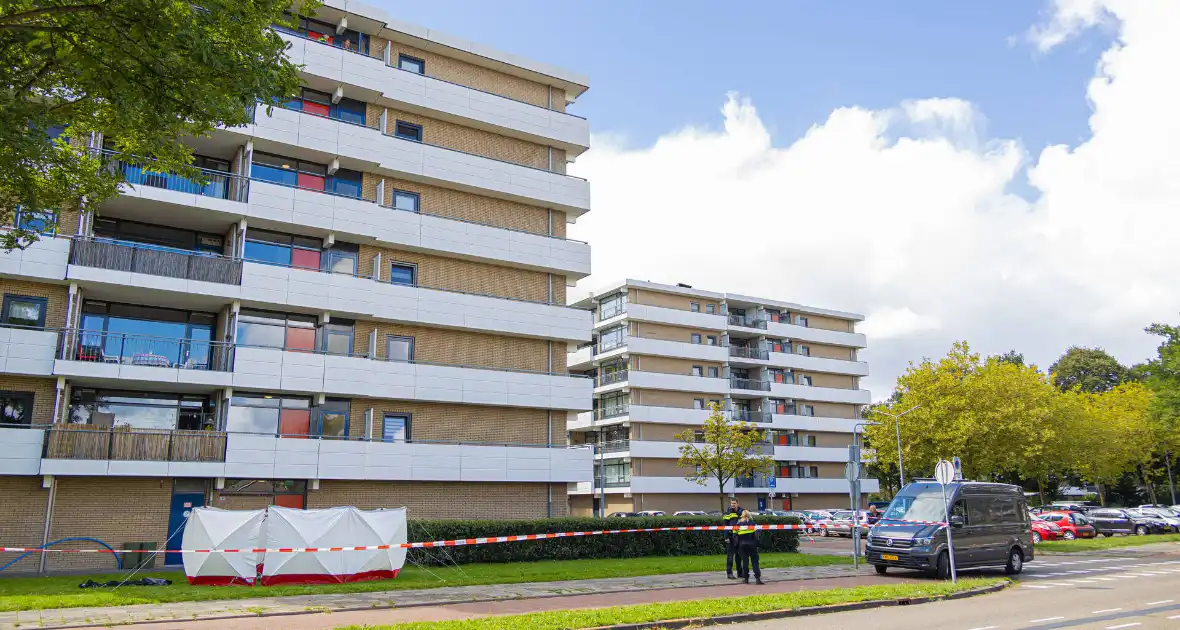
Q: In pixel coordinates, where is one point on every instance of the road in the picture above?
(1110, 593)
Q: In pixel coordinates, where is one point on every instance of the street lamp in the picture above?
(854, 491)
(897, 429)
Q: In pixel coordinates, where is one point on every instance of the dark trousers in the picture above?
(747, 555)
(731, 550)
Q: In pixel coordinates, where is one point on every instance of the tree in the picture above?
(1090, 369)
(143, 73)
(724, 451)
(1011, 356)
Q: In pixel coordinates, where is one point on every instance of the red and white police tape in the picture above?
(462, 542)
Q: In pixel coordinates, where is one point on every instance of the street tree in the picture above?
(722, 451)
(142, 73)
(1090, 369)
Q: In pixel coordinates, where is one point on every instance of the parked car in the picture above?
(621, 515)
(714, 513)
(1147, 524)
(689, 513)
(650, 513)
(1164, 514)
(842, 523)
(1073, 524)
(1072, 506)
(1111, 521)
(1043, 530)
(989, 522)
(818, 521)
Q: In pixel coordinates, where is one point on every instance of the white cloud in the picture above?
(1068, 18)
(904, 213)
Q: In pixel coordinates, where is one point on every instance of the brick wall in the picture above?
(471, 75)
(469, 140)
(240, 502)
(116, 510)
(22, 518)
(430, 499)
(457, 347)
(456, 204)
(462, 423)
(57, 295)
(668, 365)
(43, 390)
(455, 274)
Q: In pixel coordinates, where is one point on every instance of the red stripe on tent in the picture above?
(315, 578)
(219, 580)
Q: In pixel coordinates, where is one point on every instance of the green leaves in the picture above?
(144, 73)
(725, 450)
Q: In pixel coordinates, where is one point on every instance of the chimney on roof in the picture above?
(682, 285)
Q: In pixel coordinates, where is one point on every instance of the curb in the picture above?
(674, 624)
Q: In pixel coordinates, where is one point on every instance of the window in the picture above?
(269, 415)
(773, 315)
(714, 372)
(158, 235)
(16, 408)
(813, 472)
(288, 171)
(325, 33)
(404, 274)
(345, 183)
(809, 440)
(338, 337)
(398, 348)
(342, 258)
(284, 249)
(801, 321)
(807, 410)
(698, 370)
(712, 340)
(407, 201)
(698, 403)
(312, 102)
(20, 310)
(711, 309)
(803, 350)
(145, 335)
(408, 131)
(696, 337)
(276, 330)
(613, 404)
(350, 111)
(804, 379)
(715, 402)
(694, 307)
(44, 222)
(611, 338)
(395, 427)
(779, 376)
(332, 418)
(411, 64)
(777, 345)
(142, 410)
(612, 306)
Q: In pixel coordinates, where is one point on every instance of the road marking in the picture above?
(1162, 601)
(1106, 579)
(1124, 625)
(1087, 571)
(1058, 574)
(986, 628)
(1105, 610)
(1036, 586)
(1174, 617)
(1046, 619)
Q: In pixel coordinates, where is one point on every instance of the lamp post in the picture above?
(854, 491)
(1171, 483)
(897, 429)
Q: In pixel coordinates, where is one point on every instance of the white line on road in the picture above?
(1124, 625)
(1106, 579)
(1105, 610)
(1174, 617)
(1036, 586)
(1162, 601)
(986, 628)
(1046, 619)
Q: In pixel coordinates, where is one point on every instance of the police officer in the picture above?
(731, 517)
(747, 545)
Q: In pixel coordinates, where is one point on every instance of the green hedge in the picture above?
(582, 547)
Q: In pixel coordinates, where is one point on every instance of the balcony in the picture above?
(156, 261)
(679, 485)
(676, 349)
(673, 316)
(808, 363)
(678, 382)
(613, 446)
(402, 89)
(144, 358)
(755, 416)
(817, 335)
(606, 413)
(822, 394)
(354, 375)
(610, 378)
(743, 352)
(23, 445)
(810, 453)
(747, 321)
(27, 351)
(749, 384)
(90, 442)
(756, 481)
(582, 358)
(45, 259)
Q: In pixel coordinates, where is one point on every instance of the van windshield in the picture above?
(918, 504)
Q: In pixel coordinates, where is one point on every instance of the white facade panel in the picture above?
(21, 454)
(677, 382)
(811, 453)
(675, 317)
(27, 352)
(141, 374)
(668, 415)
(817, 364)
(44, 260)
(814, 423)
(660, 450)
(678, 349)
(822, 394)
(678, 485)
(818, 335)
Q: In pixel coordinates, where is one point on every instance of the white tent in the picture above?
(214, 528)
(333, 527)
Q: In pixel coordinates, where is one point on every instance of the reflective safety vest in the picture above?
(746, 529)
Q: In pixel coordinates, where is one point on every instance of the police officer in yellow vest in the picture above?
(731, 517)
(747, 547)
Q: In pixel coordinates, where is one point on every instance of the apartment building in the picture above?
(364, 304)
(662, 354)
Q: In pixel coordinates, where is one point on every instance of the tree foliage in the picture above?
(725, 450)
(1089, 369)
(144, 73)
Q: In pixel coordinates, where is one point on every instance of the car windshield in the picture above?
(919, 502)
(1078, 519)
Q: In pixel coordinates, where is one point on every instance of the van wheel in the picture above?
(1141, 530)
(1015, 562)
(1108, 534)
(943, 570)
(881, 569)
(823, 532)
(1036, 538)
(1068, 535)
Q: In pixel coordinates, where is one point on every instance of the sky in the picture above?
(1004, 173)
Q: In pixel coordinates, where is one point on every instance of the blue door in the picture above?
(761, 504)
(182, 504)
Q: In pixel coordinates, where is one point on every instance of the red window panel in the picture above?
(301, 339)
(289, 501)
(778, 377)
(782, 440)
(316, 108)
(305, 258)
(314, 182)
(295, 422)
(320, 37)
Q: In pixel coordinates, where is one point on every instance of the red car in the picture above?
(1043, 529)
(1073, 524)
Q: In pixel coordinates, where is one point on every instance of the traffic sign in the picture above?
(944, 472)
(773, 482)
(771, 495)
(852, 471)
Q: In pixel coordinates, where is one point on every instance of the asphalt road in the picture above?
(1110, 593)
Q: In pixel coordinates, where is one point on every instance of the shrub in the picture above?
(582, 547)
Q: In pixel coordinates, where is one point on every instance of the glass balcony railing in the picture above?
(155, 260)
(612, 412)
(216, 184)
(747, 321)
(749, 383)
(757, 481)
(111, 348)
(746, 415)
(610, 378)
(748, 353)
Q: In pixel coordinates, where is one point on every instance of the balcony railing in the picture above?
(747, 321)
(155, 260)
(87, 441)
(757, 481)
(607, 346)
(749, 383)
(745, 415)
(614, 446)
(217, 184)
(748, 353)
(605, 413)
(95, 346)
(610, 378)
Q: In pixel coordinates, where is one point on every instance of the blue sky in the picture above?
(657, 66)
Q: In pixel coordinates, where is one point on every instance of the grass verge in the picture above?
(647, 613)
(1114, 542)
(40, 593)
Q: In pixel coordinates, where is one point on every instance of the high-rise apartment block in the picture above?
(364, 304)
(663, 354)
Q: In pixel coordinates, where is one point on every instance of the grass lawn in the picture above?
(39, 593)
(572, 619)
(1114, 542)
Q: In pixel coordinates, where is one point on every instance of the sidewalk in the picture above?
(715, 583)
